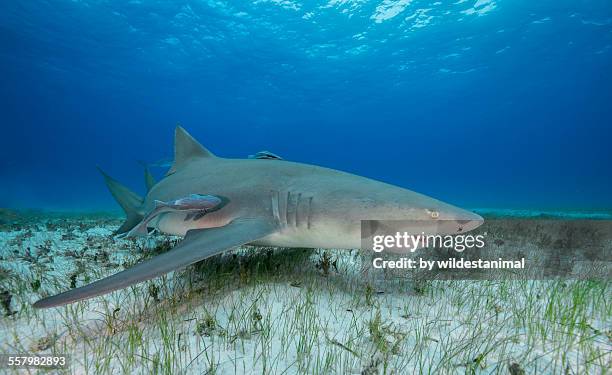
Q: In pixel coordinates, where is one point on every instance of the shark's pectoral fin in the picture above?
(198, 244)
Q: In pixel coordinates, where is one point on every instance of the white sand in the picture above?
(283, 313)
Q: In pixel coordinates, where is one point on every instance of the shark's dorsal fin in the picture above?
(186, 148)
(149, 179)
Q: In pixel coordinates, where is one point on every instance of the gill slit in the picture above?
(287, 207)
(309, 212)
(275, 199)
(297, 210)
(287, 212)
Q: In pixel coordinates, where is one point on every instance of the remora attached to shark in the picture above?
(218, 204)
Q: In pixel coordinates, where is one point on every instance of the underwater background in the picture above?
(479, 103)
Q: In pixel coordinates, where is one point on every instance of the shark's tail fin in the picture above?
(128, 200)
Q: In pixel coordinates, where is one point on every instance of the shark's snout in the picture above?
(454, 220)
(468, 221)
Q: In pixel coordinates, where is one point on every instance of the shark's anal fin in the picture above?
(198, 244)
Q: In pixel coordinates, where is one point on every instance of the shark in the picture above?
(217, 204)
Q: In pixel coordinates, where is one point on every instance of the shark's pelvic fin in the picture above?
(128, 200)
(195, 206)
(186, 148)
(198, 244)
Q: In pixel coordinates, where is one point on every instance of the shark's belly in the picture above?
(178, 223)
(311, 239)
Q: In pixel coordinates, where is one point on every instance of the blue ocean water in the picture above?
(481, 103)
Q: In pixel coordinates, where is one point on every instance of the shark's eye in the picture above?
(434, 214)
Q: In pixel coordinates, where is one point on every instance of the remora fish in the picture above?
(258, 202)
(265, 155)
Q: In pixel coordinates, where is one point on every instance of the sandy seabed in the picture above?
(283, 311)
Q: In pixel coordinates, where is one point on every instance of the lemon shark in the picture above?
(218, 204)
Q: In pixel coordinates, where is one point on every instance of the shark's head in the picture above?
(374, 201)
(411, 207)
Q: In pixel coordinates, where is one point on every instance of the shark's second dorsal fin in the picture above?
(186, 148)
(148, 177)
